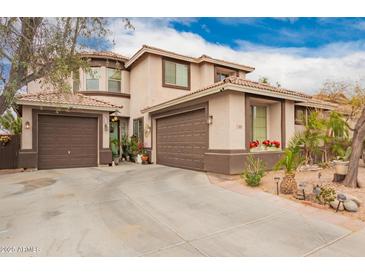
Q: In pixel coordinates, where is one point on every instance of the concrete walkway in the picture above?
(134, 210)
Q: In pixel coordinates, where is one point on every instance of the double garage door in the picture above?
(182, 140)
(67, 141)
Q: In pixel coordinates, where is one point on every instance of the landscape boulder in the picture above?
(353, 198)
(351, 206)
(334, 205)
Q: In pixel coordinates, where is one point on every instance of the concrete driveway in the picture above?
(134, 210)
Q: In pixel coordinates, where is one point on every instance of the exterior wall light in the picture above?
(27, 125)
(210, 119)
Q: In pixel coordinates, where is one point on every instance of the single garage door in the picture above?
(182, 140)
(67, 141)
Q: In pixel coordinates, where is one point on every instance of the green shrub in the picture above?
(254, 171)
(327, 195)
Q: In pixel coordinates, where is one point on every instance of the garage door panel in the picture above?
(58, 135)
(182, 140)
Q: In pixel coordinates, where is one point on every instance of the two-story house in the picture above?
(196, 113)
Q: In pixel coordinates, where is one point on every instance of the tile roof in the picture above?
(202, 58)
(252, 84)
(237, 81)
(64, 98)
(106, 54)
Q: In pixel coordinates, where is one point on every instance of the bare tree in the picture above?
(32, 48)
(353, 96)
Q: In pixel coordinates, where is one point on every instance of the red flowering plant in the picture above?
(268, 143)
(275, 144)
(141, 149)
(254, 144)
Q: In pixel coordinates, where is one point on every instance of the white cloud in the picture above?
(295, 68)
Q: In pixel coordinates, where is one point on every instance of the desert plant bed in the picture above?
(312, 179)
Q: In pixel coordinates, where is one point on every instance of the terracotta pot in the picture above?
(341, 167)
(144, 158)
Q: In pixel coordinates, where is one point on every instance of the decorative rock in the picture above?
(334, 205)
(350, 206)
(355, 199)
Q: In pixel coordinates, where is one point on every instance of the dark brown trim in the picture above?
(296, 122)
(234, 162)
(164, 59)
(105, 156)
(248, 121)
(283, 124)
(227, 151)
(228, 69)
(181, 109)
(248, 116)
(105, 93)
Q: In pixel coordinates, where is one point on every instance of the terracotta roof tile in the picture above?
(250, 84)
(64, 98)
(106, 54)
(202, 58)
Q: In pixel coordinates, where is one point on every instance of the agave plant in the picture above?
(11, 123)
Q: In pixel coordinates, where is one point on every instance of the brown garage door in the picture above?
(66, 141)
(182, 140)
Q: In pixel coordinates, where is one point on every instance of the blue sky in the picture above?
(276, 32)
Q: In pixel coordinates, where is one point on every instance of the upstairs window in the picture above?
(114, 80)
(92, 79)
(176, 74)
(222, 73)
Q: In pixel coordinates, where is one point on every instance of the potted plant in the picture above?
(144, 157)
(133, 148)
(271, 145)
(115, 156)
(125, 147)
(4, 140)
(342, 162)
(254, 146)
(290, 161)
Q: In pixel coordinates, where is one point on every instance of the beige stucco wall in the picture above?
(125, 81)
(242, 74)
(206, 74)
(26, 137)
(289, 121)
(118, 101)
(228, 128)
(105, 132)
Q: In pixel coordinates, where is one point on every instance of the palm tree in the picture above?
(11, 123)
(290, 161)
